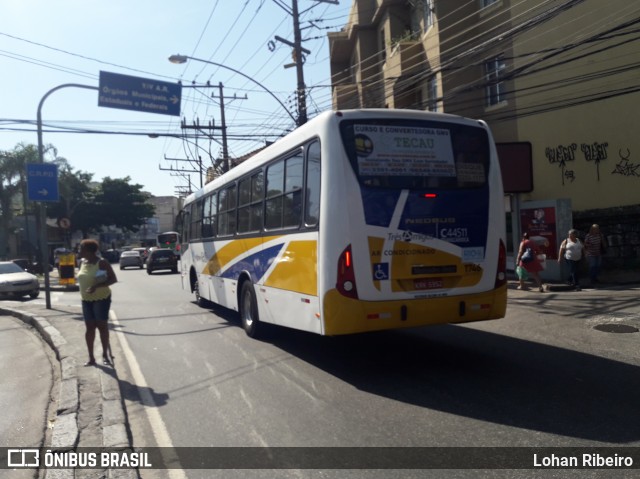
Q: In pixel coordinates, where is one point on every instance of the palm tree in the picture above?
(13, 188)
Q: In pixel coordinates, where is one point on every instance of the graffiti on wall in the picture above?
(596, 152)
(560, 156)
(625, 167)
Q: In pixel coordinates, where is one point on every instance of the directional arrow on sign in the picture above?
(139, 94)
(42, 182)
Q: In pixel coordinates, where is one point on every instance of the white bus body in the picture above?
(357, 221)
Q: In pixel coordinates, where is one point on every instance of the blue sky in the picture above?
(44, 44)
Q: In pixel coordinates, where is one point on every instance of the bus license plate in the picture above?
(431, 283)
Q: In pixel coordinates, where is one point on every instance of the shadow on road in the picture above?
(484, 376)
(479, 374)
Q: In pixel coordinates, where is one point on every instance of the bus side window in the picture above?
(227, 211)
(250, 203)
(185, 225)
(312, 200)
(293, 191)
(196, 220)
(206, 218)
(193, 218)
(214, 214)
(275, 186)
(283, 206)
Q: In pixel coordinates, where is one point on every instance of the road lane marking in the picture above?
(158, 427)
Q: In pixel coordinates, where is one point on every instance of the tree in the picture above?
(122, 204)
(76, 198)
(13, 187)
(89, 206)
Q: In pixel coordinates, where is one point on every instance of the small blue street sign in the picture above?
(139, 94)
(42, 182)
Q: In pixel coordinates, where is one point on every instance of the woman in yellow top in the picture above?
(94, 278)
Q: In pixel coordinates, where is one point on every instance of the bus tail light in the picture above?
(501, 273)
(346, 284)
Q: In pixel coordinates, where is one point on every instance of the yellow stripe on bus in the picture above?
(297, 269)
(230, 252)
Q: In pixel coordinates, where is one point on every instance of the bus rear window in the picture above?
(416, 154)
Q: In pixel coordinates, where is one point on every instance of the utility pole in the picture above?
(223, 127)
(182, 170)
(225, 149)
(196, 126)
(301, 90)
(183, 190)
(298, 57)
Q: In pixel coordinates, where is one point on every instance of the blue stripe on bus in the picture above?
(256, 264)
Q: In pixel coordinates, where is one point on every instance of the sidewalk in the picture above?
(607, 279)
(90, 410)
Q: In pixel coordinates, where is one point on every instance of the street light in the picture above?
(180, 59)
(44, 257)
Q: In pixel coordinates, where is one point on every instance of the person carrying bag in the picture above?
(528, 264)
(94, 278)
(572, 251)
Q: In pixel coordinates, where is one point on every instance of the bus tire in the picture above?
(249, 310)
(200, 301)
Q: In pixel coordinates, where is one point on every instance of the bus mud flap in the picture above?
(403, 312)
(462, 308)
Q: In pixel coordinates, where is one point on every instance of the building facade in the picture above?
(556, 80)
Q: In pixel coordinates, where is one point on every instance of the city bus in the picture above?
(359, 220)
(169, 240)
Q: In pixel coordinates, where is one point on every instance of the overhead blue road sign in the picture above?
(139, 94)
(42, 182)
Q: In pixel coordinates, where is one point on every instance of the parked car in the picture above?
(17, 282)
(144, 253)
(162, 259)
(111, 255)
(25, 264)
(131, 258)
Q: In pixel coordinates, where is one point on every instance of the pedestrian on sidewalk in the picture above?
(94, 278)
(528, 260)
(595, 247)
(572, 250)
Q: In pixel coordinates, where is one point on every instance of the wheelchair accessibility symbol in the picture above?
(380, 271)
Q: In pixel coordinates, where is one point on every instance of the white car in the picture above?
(17, 282)
(131, 258)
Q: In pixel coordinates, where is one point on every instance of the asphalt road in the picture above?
(545, 376)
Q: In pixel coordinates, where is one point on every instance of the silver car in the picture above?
(17, 282)
(131, 258)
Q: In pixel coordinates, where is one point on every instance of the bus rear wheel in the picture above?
(249, 310)
(200, 301)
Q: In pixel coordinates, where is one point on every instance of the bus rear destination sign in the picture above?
(139, 94)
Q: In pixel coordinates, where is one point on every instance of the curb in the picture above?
(66, 430)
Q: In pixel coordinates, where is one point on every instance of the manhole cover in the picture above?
(616, 328)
